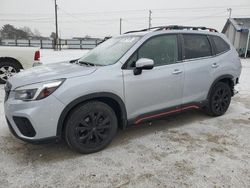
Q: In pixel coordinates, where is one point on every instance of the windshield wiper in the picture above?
(86, 63)
(73, 61)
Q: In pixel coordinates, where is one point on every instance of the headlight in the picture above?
(37, 91)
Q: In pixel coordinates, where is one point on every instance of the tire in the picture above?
(7, 69)
(90, 127)
(219, 99)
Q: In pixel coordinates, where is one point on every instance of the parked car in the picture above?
(127, 80)
(14, 59)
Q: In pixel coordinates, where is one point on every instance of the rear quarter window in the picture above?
(220, 45)
(196, 46)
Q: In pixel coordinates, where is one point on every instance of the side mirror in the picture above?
(143, 64)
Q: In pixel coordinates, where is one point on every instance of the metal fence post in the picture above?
(41, 43)
(81, 44)
(16, 42)
(53, 44)
(29, 42)
(60, 44)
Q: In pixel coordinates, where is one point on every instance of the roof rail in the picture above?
(142, 30)
(174, 27)
(177, 27)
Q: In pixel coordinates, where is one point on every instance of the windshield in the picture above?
(110, 51)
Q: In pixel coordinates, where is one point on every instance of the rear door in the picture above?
(155, 89)
(197, 55)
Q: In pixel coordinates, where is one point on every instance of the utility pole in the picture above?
(230, 12)
(56, 39)
(120, 26)
(150, 19)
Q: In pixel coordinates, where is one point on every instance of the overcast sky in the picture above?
(99, 18)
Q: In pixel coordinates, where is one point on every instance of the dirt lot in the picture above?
(188, 150)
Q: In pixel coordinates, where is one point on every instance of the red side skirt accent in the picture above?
(166, 113)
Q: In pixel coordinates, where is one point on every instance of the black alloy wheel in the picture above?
(219, 100)
(91, 127)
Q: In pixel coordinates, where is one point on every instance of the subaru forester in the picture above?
(127, 80)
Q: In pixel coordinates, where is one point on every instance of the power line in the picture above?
(111, 21)
(193, 17)
(133, 17)
(142, 10)
(63, 12)
(95, 20)
(206, 8)
(168, 9)
(76, 17)
(203, 17)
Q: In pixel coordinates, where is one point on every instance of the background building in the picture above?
(237, 30)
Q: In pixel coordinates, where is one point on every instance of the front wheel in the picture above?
(90, 127)
(219, 100)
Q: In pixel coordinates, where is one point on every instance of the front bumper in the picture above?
(43, 115)
(32, 141)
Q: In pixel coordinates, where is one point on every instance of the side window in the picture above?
(220, 45)
(196, 46)
(162, 49)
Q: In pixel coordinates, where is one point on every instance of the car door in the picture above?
(197, 55)
(158, 89)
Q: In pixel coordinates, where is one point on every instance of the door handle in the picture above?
(177, 71)
(215, 65)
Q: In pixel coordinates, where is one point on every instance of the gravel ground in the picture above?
(187, 150)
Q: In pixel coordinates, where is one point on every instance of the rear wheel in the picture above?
(90, 127)
(8, 68)
(219, 100)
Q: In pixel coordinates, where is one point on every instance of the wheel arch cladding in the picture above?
(228, 79)
(12, 60)
(114, 101)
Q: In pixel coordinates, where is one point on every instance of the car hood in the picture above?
(50, 72)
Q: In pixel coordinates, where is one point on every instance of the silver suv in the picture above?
(127, 80)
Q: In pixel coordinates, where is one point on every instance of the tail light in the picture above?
(37, 56)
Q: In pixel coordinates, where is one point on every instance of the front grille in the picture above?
(24, 126)
(7, 89)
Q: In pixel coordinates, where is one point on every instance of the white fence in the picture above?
(50, 44)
